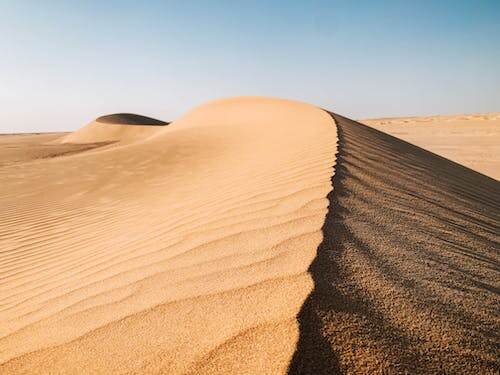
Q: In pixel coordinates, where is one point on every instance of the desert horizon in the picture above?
(250, 187)
(451, 134)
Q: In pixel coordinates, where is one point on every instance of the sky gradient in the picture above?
(64, 63)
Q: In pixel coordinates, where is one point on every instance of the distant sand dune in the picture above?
(118, 127)
(250, 236)
(104, 131)
(130, 119)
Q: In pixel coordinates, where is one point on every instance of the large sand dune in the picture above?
(250, 236)
(184, 251)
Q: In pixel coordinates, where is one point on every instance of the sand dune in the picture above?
(251, 236)
(186, 251)
(104, 131)
(119, 127)
(407, 276)
(470, 140)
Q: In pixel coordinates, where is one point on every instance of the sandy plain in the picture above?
(470, 140)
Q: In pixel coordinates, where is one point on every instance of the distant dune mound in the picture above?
(130, 119)
(118, 127)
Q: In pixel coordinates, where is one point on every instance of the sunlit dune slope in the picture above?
(119, 127)
(183, 249)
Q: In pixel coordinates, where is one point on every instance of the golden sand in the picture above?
(251, 236)
(175, 249)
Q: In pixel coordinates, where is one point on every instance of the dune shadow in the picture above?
(130, 119)
(314, 354)
(406, 277)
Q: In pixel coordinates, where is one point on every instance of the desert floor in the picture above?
(470, 140)
(251, 236)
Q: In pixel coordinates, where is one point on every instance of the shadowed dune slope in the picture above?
(119, 127)
(406, 279)
(130, 119)
(183, 252)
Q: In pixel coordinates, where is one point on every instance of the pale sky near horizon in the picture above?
(64, 63)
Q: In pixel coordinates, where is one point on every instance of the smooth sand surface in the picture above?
(182, 251)
(251, 236)
(471, 140)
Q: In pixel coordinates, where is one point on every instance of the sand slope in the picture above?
(407, 276)
(182, 249)
(470, 140)
(119, 127)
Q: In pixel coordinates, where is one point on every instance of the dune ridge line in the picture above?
(406, 277)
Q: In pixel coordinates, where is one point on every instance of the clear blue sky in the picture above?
(63, 63)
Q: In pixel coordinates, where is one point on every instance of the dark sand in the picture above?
(130, 119)
(407, 276)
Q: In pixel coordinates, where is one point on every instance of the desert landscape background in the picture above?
(250, 187)
(252, 235)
